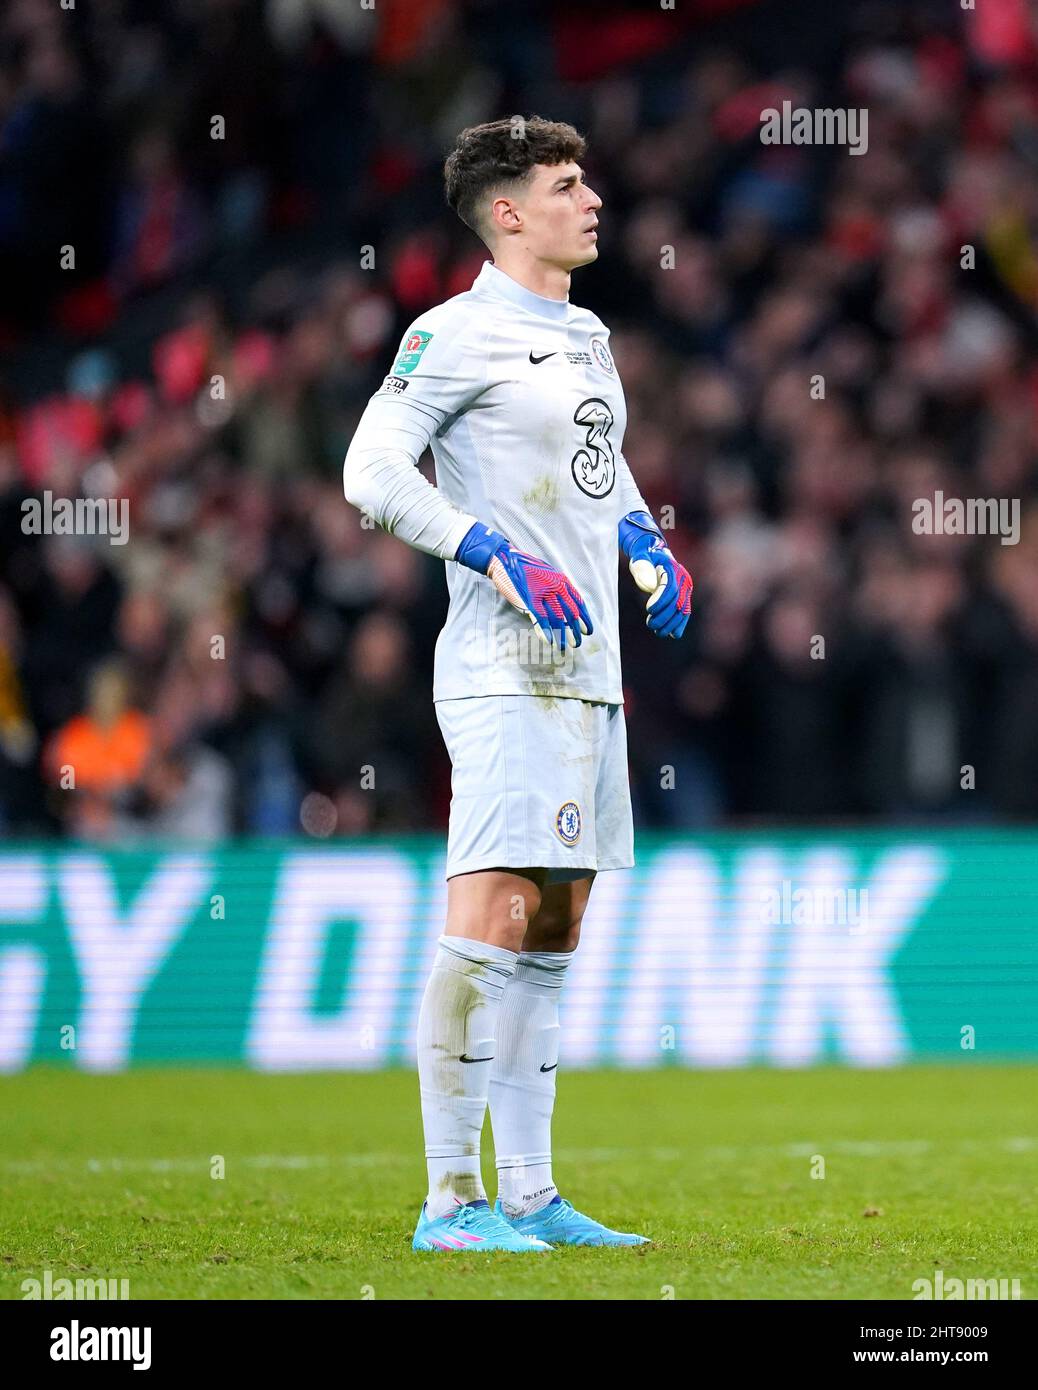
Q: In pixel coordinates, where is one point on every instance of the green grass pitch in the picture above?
(925, 1168)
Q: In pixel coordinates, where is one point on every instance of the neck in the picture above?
(539, 277)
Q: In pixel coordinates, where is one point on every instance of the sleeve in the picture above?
(439, 370)
(629, 498)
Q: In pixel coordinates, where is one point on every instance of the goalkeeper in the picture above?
(517, 393)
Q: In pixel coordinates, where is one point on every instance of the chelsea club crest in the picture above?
(600, 353)
(567, 823)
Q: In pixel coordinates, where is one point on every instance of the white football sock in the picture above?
(457, 1021)
(522, 1081)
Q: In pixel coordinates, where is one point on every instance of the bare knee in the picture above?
(494, 905)
(556, 926)
(549, 936)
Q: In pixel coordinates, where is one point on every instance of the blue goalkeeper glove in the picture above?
(657, 573)
(533, 586)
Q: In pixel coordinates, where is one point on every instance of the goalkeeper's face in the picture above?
(559, 213)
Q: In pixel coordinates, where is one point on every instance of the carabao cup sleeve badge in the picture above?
(411, 352)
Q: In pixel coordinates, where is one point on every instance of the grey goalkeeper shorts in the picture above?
(537, 782)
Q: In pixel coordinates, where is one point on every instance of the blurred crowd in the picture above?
(815, 352)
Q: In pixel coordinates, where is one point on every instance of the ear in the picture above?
(504, 216)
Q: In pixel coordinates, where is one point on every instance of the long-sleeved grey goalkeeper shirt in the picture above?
(520, 400)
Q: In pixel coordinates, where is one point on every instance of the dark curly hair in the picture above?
(498, 156)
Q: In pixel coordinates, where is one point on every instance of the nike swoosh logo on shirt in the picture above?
(466, 1058)
(544, 358)
(551, 1068)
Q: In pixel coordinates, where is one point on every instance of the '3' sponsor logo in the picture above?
(594, 465)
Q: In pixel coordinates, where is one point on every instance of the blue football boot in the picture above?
(471, 1226)
(560, 1224)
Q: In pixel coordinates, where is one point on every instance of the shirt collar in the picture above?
(490, 278)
